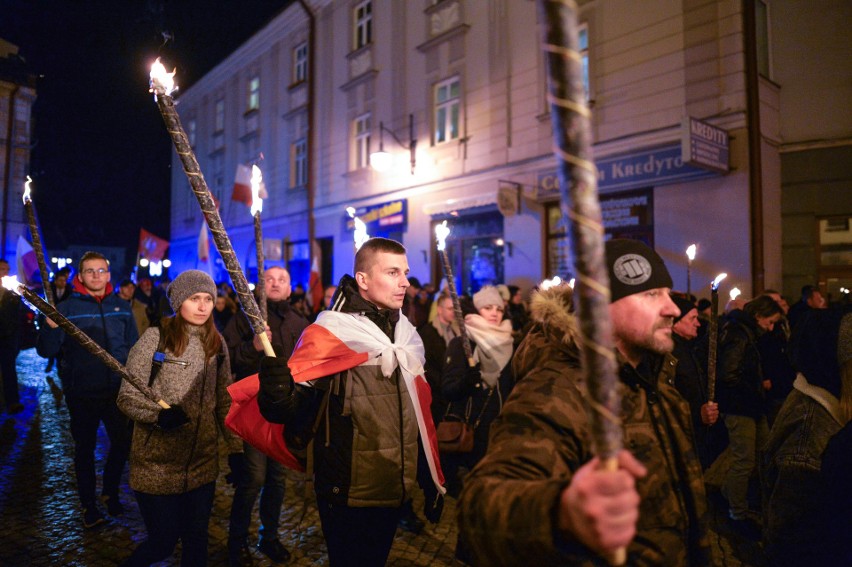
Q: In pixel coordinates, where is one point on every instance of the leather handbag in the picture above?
(454, 436)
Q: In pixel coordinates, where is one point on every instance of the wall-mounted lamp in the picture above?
(382, 160)
(508, 245)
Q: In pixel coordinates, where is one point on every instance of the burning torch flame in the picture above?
(547, 284)
(162, 82)
(27, 183)
(360, 234)
(256, 201)
(715, 285)
(735, 293)
(690, 252)
(11, 283)
(442, 231)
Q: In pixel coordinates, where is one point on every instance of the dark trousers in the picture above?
(172, 517)
(8, 356)
(86, 416)
(266, 477)
(357, 537)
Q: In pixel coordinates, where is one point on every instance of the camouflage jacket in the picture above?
(507, 510)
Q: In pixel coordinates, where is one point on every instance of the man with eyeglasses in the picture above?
(90, 388)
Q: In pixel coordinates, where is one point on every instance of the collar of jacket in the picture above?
(280, 308)
(384, 319)
(80, 289)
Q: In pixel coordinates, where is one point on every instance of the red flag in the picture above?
(315, 290)
(242, 185)
(151, 246)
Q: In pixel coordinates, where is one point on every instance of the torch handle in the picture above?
(184, 151)
(39, 250)
(261, 284)
(712, 336)
(87, 343)
(451, 285)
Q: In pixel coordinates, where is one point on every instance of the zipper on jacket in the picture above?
(401, 435)
(182, 363)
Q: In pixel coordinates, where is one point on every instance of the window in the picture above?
(191, 130)
(219, 124)
(361, 135)
(761, 22)
(583, 46)
(299, 163)
(300, 63)
(447, 110)
(363, 24)
(254, 93)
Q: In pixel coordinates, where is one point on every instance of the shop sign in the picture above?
(382, 217)
(646, 168)
(703, 145)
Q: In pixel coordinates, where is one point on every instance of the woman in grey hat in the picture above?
(174, 459)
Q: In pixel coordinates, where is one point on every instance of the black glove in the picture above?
(237, 474)
(275, 378)
(433, 506)
(474, 375)
(172, 418)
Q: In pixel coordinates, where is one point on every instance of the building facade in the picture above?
(17, 95)
(456, 92)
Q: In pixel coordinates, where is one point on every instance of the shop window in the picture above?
(475, 248)
(834, 258)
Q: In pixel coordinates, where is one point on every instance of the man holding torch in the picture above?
(90, 387)
(540, 496)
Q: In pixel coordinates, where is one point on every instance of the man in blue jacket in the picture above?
(90, 388)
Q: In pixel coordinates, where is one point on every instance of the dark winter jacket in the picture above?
(691, 382)
(366, 448)
(182, 459)
(286, 326)
(436, 349)
(739, 383)
(506, 510)
(109, 322)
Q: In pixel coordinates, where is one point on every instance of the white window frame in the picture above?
(361, 134)
(219, 116)
(362, 19)
(254, 93)
(300, 63)
(299, 163)
(447, 110)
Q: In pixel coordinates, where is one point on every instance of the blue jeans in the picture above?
(266, 477)
(172, 517)
(746, 435)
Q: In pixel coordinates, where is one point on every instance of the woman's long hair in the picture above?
(176, 335)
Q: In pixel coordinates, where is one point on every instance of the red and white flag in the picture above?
(315, 290)
(242, 186)
(26, 262)
(151, 246)
(338, 342)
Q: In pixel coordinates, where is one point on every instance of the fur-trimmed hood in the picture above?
(554, 334)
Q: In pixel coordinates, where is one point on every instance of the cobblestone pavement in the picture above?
(41, 518)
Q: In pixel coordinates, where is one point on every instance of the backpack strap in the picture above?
(158, 359)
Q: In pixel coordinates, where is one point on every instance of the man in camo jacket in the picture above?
(538, 497)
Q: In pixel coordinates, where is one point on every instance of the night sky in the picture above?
(101, 158)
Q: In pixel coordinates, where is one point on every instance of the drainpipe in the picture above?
(755, 177)
(7, 178)
(311, 185)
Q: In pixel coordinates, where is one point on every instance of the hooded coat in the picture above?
(507, 508)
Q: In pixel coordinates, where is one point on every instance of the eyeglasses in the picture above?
(92, 271)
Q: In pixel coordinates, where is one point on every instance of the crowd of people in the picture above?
(392, 386)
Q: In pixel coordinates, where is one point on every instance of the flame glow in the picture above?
(553, 282)
(735, 293)
(715, 285)
(360, 234)
(11, 283)
(26, 196)
(162, 82)
(256, 201)
(442, 231)
(690, 252)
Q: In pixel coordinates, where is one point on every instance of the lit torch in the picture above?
(713, 332)
(29, 207)
(572, 145)
(735, 293)
(442, 231)
(360, 235)
(690, 256)
(163, 85)
(12, 284)
(256, 209)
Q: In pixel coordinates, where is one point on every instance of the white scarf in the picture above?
(493, 346)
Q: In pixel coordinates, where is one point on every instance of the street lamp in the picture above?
(382, 160)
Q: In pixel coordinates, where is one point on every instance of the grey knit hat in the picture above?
(188, 284)
(488, 295)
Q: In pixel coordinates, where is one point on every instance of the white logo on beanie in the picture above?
(632, 269)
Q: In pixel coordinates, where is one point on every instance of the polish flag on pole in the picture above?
(26, 262)
(315, 290)
(204, 264)
(151, 246)
(242, 186)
